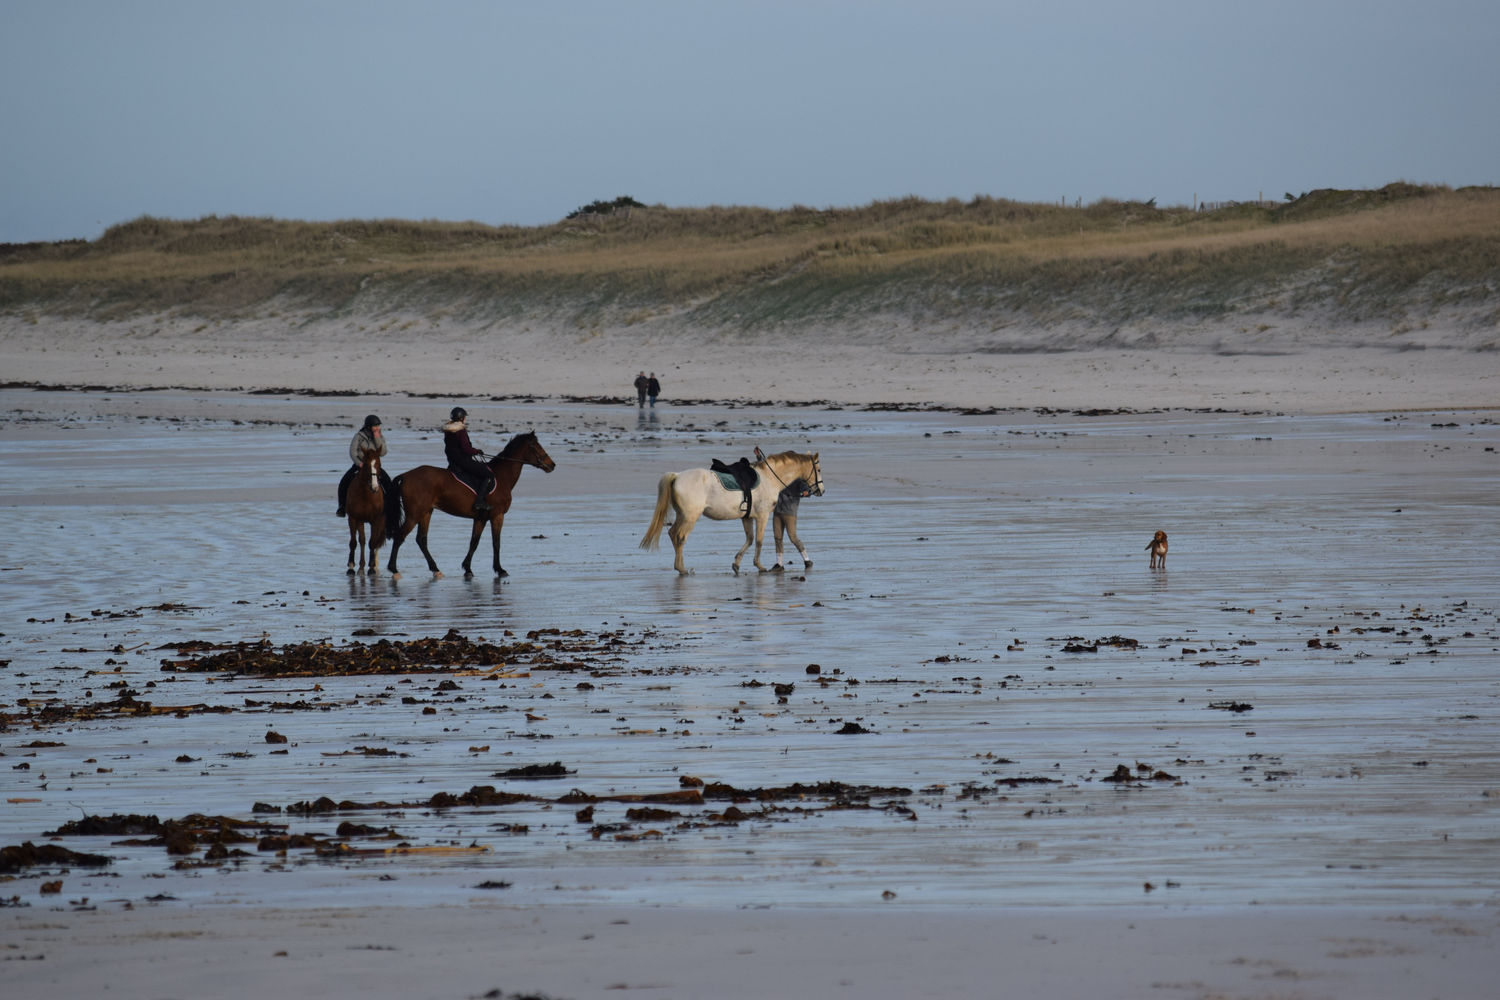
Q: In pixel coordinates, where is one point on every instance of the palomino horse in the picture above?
(696, 493)
(366, 505)
(427, 486)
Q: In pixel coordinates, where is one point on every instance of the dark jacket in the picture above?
(456, 444)
(789, 498)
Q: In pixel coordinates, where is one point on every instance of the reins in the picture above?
(816, 484)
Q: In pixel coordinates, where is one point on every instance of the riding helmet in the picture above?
(372, 421)
(458, 413)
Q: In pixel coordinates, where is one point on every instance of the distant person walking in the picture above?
(653, 388)
(642, 383)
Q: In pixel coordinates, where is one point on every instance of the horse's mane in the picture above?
(791, 456)
(517, 442)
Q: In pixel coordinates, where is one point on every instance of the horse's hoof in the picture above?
(395, 575)
(437, 574)
(778, 568)
(468, 574)
(501, 574)
(736, 568)
(806, 566)
(349, 571)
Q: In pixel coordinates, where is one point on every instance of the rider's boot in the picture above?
(481, 501)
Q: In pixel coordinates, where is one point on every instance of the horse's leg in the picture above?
(404, 529)
(350, 570)
(749, 537)
(777, 530)
(682, 526)
(495, 525)
(473, 544)
(422, 525)
(760, 537)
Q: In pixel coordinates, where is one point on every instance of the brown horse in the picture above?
(366, 505)
(427, 486)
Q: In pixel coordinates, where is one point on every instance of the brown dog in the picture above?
(1158, 549)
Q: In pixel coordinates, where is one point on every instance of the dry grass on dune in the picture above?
(759, 265)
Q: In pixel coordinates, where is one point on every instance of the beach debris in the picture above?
(17, 857)
(541, 649)
(1123, 775)
(533, 772)
(1077, 644)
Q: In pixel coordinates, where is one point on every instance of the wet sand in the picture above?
(1312, 676)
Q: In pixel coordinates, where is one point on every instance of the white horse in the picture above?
(695, 493)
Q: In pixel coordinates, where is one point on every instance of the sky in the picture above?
(519, 112)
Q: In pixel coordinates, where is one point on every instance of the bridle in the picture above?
(817, 471)
(519, 461)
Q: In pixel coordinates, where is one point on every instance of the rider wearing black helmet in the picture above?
(466, 460)
(367, 438)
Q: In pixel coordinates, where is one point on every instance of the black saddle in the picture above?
(475, 475)
(744, 476)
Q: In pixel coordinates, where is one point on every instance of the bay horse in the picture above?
(695, 493)
(427, 487)
(366, 505)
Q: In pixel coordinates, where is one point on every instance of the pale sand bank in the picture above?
(1305, 373)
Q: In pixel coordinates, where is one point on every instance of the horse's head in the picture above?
(369, 459)
(789, 465)
(527, 449)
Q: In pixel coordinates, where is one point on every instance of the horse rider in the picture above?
(367, 438)
(467, 461)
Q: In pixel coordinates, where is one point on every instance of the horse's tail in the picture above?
(391, 522)
(659, 518)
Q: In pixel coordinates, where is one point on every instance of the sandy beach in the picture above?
(1336, 842)
(1287, 368)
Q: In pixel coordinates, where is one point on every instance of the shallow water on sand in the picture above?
(1337, 574)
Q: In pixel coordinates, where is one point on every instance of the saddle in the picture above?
(470, 481)
(741, 476)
